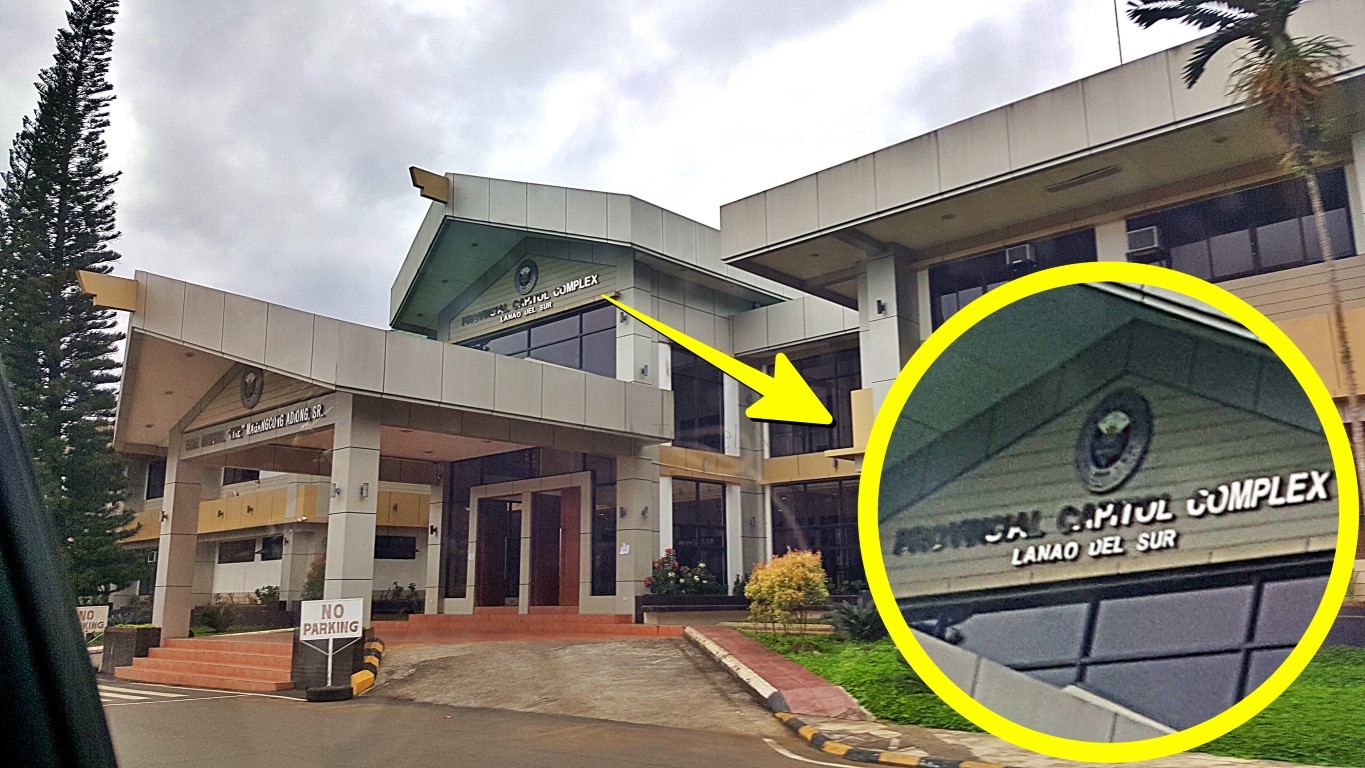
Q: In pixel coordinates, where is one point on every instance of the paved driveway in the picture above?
(662, 681)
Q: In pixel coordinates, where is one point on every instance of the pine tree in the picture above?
(56, 348)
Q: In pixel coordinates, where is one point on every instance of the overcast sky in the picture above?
(264, 145)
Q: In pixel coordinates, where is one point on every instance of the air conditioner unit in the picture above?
(1020, 256)
(1145, 245)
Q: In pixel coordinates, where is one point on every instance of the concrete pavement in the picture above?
(252, 730)
(656, 681)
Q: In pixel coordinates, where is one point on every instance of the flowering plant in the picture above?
(673, 578)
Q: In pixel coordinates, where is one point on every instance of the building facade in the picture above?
(535, 448)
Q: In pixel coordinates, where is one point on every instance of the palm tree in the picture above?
(1286, 77)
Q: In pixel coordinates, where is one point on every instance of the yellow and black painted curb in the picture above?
(825, 743)
(364, 679)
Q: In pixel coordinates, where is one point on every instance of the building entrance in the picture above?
(497, 578)
(528, 543)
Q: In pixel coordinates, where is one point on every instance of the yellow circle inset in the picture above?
(1347, 494)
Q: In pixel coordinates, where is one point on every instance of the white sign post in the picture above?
(94, 618)
(331, 620)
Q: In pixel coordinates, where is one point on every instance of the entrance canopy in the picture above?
(190, 346)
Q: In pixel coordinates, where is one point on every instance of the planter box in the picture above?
(123, 644)
(687, 603)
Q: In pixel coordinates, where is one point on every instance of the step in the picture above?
(276, 648)
(163, 677)
(272, 661)
(227, 669)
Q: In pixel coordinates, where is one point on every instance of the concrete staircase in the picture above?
(487, 624)
(256, 662)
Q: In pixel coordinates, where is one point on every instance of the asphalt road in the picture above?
(184, 727)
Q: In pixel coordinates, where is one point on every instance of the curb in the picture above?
(814, 736)
(364, 679)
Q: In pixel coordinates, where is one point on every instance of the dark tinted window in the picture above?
(822, 517)
(1173, 623)
(1177, 649)
(243, 551)
(272, 548)
(585, 340)
(604, 539)
(699, 525)
(833, 376)
(233, 475)
(395, 547)
(156, 479)
(698, 403)
(1149, 686)
(952, 286)
(1256, 230)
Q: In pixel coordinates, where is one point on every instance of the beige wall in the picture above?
(1197, 444)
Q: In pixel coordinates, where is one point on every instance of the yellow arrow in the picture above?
(785, 395)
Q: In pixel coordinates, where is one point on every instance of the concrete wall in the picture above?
(1035, 704)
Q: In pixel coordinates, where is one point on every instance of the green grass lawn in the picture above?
(874, 674)
(1318, 720)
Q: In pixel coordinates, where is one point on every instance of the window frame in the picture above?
(505, 342)
(246, 555)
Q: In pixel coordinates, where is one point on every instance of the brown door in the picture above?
(498, 559)
(545, 532)
(570, 531)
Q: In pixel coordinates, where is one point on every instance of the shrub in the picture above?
(858, 622)
(786, 587)
(218, 618)
(737, 590)
(673, 578)
(268, 595)
(312, 583)
(123, 617)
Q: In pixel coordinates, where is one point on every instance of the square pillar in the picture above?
(435, 552)
(355, 490)
(888, 319)
(187, 483)
(637, 491)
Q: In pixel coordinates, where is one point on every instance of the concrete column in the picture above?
(637, 491)
(351, 521)
(1355, 188)
(734, 535)
(436, 520)
(524, 576)
(187, 483)
(302, 545)
(888, 319)
(636, 343)
(1111, 241)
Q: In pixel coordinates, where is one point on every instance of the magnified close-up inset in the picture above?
(1109, 511)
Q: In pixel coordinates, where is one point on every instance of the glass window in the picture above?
(1252, 231)
(599, 353)
(1173, 623)
(156, 479)
(833, 377)
(241, 551)
(954, 285)
(584, 340)
(233, 475)
(699, 525)
(1286, 609)
(1042, 635)
(1176, 649)
(604, 539)
(821, 517)
(395, 547)
(698, 403)
(272, 548)
(1149, 686)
